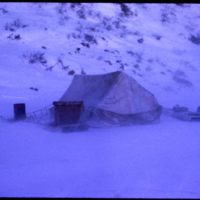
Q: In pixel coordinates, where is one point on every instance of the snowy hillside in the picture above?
(44, 44)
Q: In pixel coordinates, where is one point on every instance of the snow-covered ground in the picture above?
(43, 44)
(157, 160)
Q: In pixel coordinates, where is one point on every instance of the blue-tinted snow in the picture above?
(153, 45)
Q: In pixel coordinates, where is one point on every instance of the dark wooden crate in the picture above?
(67, 112)
(19, 111)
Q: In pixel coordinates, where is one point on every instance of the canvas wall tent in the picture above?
(114, 97)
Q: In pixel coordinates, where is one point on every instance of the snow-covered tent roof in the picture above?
(115, 92)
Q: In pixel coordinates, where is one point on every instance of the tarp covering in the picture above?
(115, 97)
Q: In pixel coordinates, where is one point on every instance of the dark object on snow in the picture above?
(20, 111)
(195, 39)
(67, 112)
(85, 44)
(78, 50)
(140, 40)
(194, 116)
(17, 37)
(183, 113)
(34, 88)
(187, 116)
(71, 72)
(178, 108)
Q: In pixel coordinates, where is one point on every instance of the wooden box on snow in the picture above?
(19, 111)
(67, 112)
